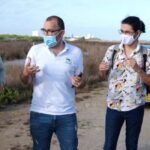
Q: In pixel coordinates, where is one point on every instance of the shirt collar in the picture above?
(66, 48)
(135, 50)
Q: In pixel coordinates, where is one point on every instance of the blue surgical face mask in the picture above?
(50, 41)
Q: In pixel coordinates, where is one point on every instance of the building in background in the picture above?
(35, 33)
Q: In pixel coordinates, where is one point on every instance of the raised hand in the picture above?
(133, 64)
(103, 69)
(76, 81)
(103, 66)
(29, 69)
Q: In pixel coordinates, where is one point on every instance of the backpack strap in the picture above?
(144, 52)
(144, 63)
(115, 50)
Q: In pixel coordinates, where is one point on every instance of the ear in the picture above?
(62, 33)
(139, 33)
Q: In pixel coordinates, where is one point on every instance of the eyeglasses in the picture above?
(126, 32)
(49, 31)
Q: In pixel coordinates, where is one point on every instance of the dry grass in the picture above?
(12, 75)
(14, 49)
(13, 81)
(93, 54)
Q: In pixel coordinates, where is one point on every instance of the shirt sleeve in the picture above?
(2, 72)
(79, 63)
(148, 62)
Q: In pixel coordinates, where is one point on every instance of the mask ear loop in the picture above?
(139, 33)
(57, 35)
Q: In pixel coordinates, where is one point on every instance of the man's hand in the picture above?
(30, 70)
(76, 81)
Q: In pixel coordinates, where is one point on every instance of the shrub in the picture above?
(8, 95)
(13, 81)
(93, 53)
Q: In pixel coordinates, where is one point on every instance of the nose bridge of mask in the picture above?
(126, 35)
(54, 36)
(51, 40)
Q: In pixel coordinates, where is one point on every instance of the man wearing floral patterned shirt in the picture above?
(127, 79)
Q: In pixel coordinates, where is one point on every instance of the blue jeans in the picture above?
(114, 122)
(42, 127)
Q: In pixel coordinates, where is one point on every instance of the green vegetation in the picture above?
(17, 48)
(14, 37)
(9, 95)
(16, 92)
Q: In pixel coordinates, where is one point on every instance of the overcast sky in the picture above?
(100, 18)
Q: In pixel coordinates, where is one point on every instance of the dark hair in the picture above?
(135, 22)
(59, 21)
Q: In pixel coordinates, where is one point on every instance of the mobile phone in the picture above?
(79, 75)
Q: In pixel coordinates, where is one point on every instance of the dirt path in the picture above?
(14, 125)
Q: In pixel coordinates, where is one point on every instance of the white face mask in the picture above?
(127, 39)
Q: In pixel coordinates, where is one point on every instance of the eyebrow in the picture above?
(50, 29)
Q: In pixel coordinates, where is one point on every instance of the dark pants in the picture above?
(114, 122)
(43, 126)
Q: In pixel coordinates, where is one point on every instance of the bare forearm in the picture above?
(145, 77)
(103, 74)
(24, 78)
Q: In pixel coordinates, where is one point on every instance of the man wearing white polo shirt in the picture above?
(56, 68)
